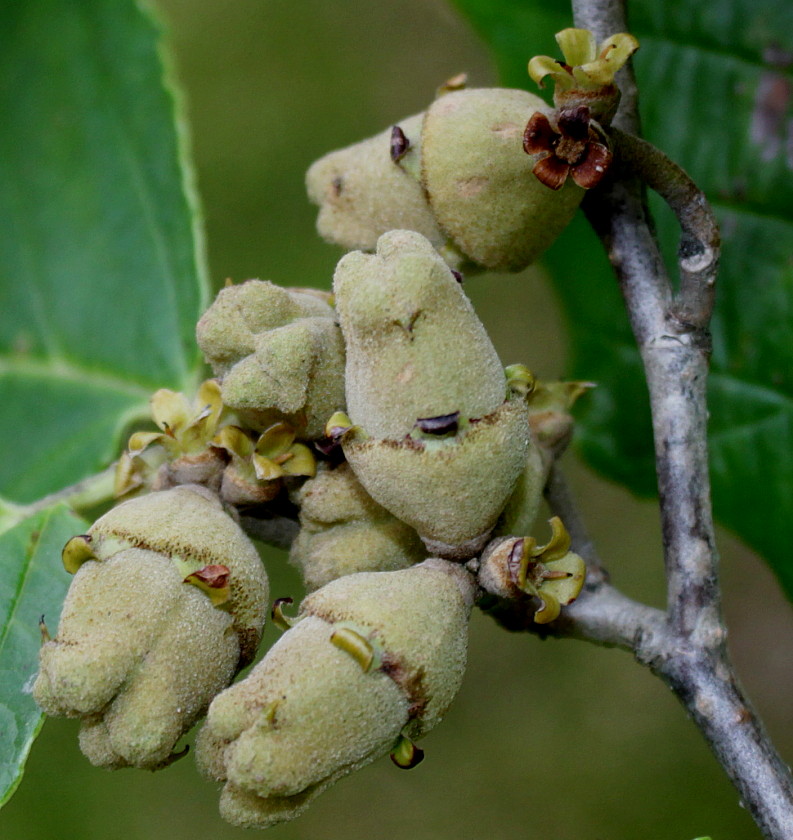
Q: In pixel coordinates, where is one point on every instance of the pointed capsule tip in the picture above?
(280, 619)
(77, 551)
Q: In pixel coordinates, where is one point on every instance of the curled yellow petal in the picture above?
(275, 440)
(267, 469)
(301, 462)
(76, 552)
(280, 619)
(235, 441)
(614, 52)
(171, 410)
(557, 546)
(549, 609)
(209, 396)
(406, 755)
(138, 441)
(520, 379)
(338, 424)
(564, 578)
(543, 65)
(578, 46)
(357, 646)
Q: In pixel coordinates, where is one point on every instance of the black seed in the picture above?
(399, 144)
(444, 424)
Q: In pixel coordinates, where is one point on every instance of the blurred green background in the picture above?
(552, 740)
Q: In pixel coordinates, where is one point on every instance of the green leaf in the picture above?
(101, 264)
(715, 94)
(33, 585)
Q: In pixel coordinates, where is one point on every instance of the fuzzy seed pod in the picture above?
(142, 645)
(362, 193)
(343, 531)
(279, 354)
(436, 440)
(465, 182)
(374, 659)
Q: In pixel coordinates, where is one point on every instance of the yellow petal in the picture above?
(275, 440)
(76, 552)
(234, 440)
(302, 461)
(543, 65)
(615, 51)
(549, 609)
(266, 470)
(139, 441)
(565, 589)
(171, 410)
(209, 396)
(578, 46)
(557, 546)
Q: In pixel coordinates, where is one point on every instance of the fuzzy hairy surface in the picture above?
(343, 530)
(189, 525)
(479, 181)
(138, 655)
(415, 346)
(362, 193)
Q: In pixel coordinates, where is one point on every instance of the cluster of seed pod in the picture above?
(381, 421)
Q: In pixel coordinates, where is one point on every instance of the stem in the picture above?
(81, 497)
(686, 647)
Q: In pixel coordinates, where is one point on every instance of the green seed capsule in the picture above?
(433, 439)
(343, 531)
(279, 354)
(155, 624)
(375, 658)
(460, 177)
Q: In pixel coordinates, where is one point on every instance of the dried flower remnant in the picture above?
(551, 573)
(575, 147)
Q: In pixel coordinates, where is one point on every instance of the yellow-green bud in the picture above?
(465, 183)
(279, 353)
(343, 531)
(312, 710)
(168, 599)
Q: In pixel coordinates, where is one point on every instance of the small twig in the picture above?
(81, 497)
(700, 240)
(688, 651)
